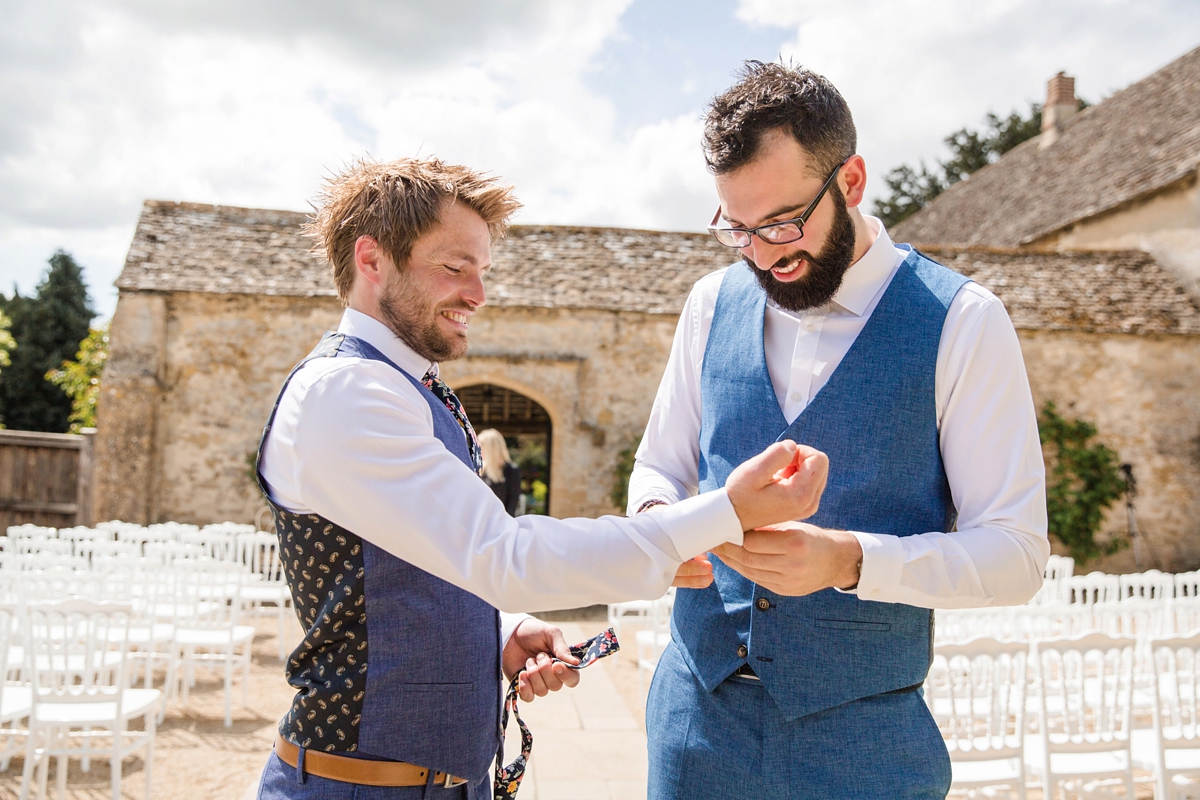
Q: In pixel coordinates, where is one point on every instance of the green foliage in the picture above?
(530, 455)
(970, 150)
(48, 328)
(621, 472)
(7, 343)
(1082, 480)
(80, 379)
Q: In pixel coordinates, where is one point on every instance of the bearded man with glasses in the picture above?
(796, 660)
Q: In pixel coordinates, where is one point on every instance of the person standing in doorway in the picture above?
(499, 472)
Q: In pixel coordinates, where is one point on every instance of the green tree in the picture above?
(910, 189)
(7, 343)
(48, 328)
(1082, 480)
(80, 379)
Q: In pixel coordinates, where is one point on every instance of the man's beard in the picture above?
(413, 318)
(825, 270)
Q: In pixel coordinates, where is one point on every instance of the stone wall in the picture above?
(1143, 394)
(192, 378)
(1165, 224)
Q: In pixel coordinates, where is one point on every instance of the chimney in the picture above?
(1059, 109)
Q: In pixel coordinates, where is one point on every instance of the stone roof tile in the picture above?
(1142, 139)
(185, 247)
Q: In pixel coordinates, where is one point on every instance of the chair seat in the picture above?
(214, 637)
(17, 701)
(1073, 763)
(266, 593)
(1145, 752)
(134, 703)
(985, 772)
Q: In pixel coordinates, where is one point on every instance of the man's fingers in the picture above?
(562, 650)
(767, 541)
(765, 466)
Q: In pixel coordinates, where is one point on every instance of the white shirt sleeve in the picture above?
(993, 460)
(353, 441)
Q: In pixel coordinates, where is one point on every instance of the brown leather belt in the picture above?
(360, 770)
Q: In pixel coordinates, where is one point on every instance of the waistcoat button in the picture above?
(743, 651)
(763, 604)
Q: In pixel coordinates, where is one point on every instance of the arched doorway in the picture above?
(526, 428)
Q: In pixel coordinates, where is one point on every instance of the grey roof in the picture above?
(1100, 291)
(185, 247)
(188, 247)
(1142, 139)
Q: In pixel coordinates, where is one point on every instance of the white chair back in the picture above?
(1085, 702)
(1095, 587)
(1149, 585)
(1176, 664)
(76, 651)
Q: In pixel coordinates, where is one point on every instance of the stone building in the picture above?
(216, 304)
(1118, 176)
(1121, 174)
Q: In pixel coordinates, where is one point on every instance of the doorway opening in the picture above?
(527, 431)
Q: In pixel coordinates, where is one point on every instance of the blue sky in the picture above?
(591, 108)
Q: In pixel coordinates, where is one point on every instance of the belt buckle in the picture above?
(449, 782)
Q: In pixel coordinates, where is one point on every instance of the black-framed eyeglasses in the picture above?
(782, 232)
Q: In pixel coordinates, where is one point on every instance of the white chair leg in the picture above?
(60, 778)
(246, 676)
(150, 730)
(30, 761)
(116, 768)
(229, 689)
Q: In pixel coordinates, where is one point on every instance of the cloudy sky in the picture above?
(591, 107)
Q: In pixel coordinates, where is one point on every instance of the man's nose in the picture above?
(763, 254)
(473, 293)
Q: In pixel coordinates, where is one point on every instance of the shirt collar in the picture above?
(374, 332)
(868, 276)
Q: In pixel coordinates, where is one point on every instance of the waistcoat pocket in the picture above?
(852, 625)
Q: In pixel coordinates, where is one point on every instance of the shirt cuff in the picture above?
(698, 524)
(882, 563)
(508, 626)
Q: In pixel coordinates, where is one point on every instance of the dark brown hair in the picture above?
(778, 96)
(396, 202)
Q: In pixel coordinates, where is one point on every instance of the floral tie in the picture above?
(508, 779)
(444, 393)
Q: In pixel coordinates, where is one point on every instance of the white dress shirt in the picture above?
(986, 422)
(353, 441)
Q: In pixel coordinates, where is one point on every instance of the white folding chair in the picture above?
(1095, 587)
(976, 693)
(16, 698)
(207, 629)
(1187, 585)
(76, 656)
(653, 640)
(1149, 585)
(1172, 749)
(266, 590)
(1085, 688)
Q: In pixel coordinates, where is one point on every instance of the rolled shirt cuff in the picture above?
(698, 524)
(508, 626)
(882, 562)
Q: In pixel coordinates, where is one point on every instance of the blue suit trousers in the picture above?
(734, 742)
(281, 782)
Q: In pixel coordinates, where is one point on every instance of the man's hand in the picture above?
(695, 573)
(529, 649)
(796, 558)
(782, 483)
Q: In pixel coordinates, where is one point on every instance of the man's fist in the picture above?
(781, 484)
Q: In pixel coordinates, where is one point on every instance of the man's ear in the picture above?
(852, 180)
(370, 261)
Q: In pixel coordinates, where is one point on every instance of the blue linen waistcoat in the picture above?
(395, 663)
(876, 420)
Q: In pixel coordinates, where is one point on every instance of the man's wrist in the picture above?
(649, 504)
(851, 560)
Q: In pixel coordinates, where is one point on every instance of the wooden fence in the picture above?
(46, 478)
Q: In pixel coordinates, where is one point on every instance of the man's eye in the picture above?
(453, 270)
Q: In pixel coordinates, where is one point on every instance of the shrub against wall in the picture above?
(1083, 478)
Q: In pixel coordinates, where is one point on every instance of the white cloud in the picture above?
(915, 71)
(104, 103)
